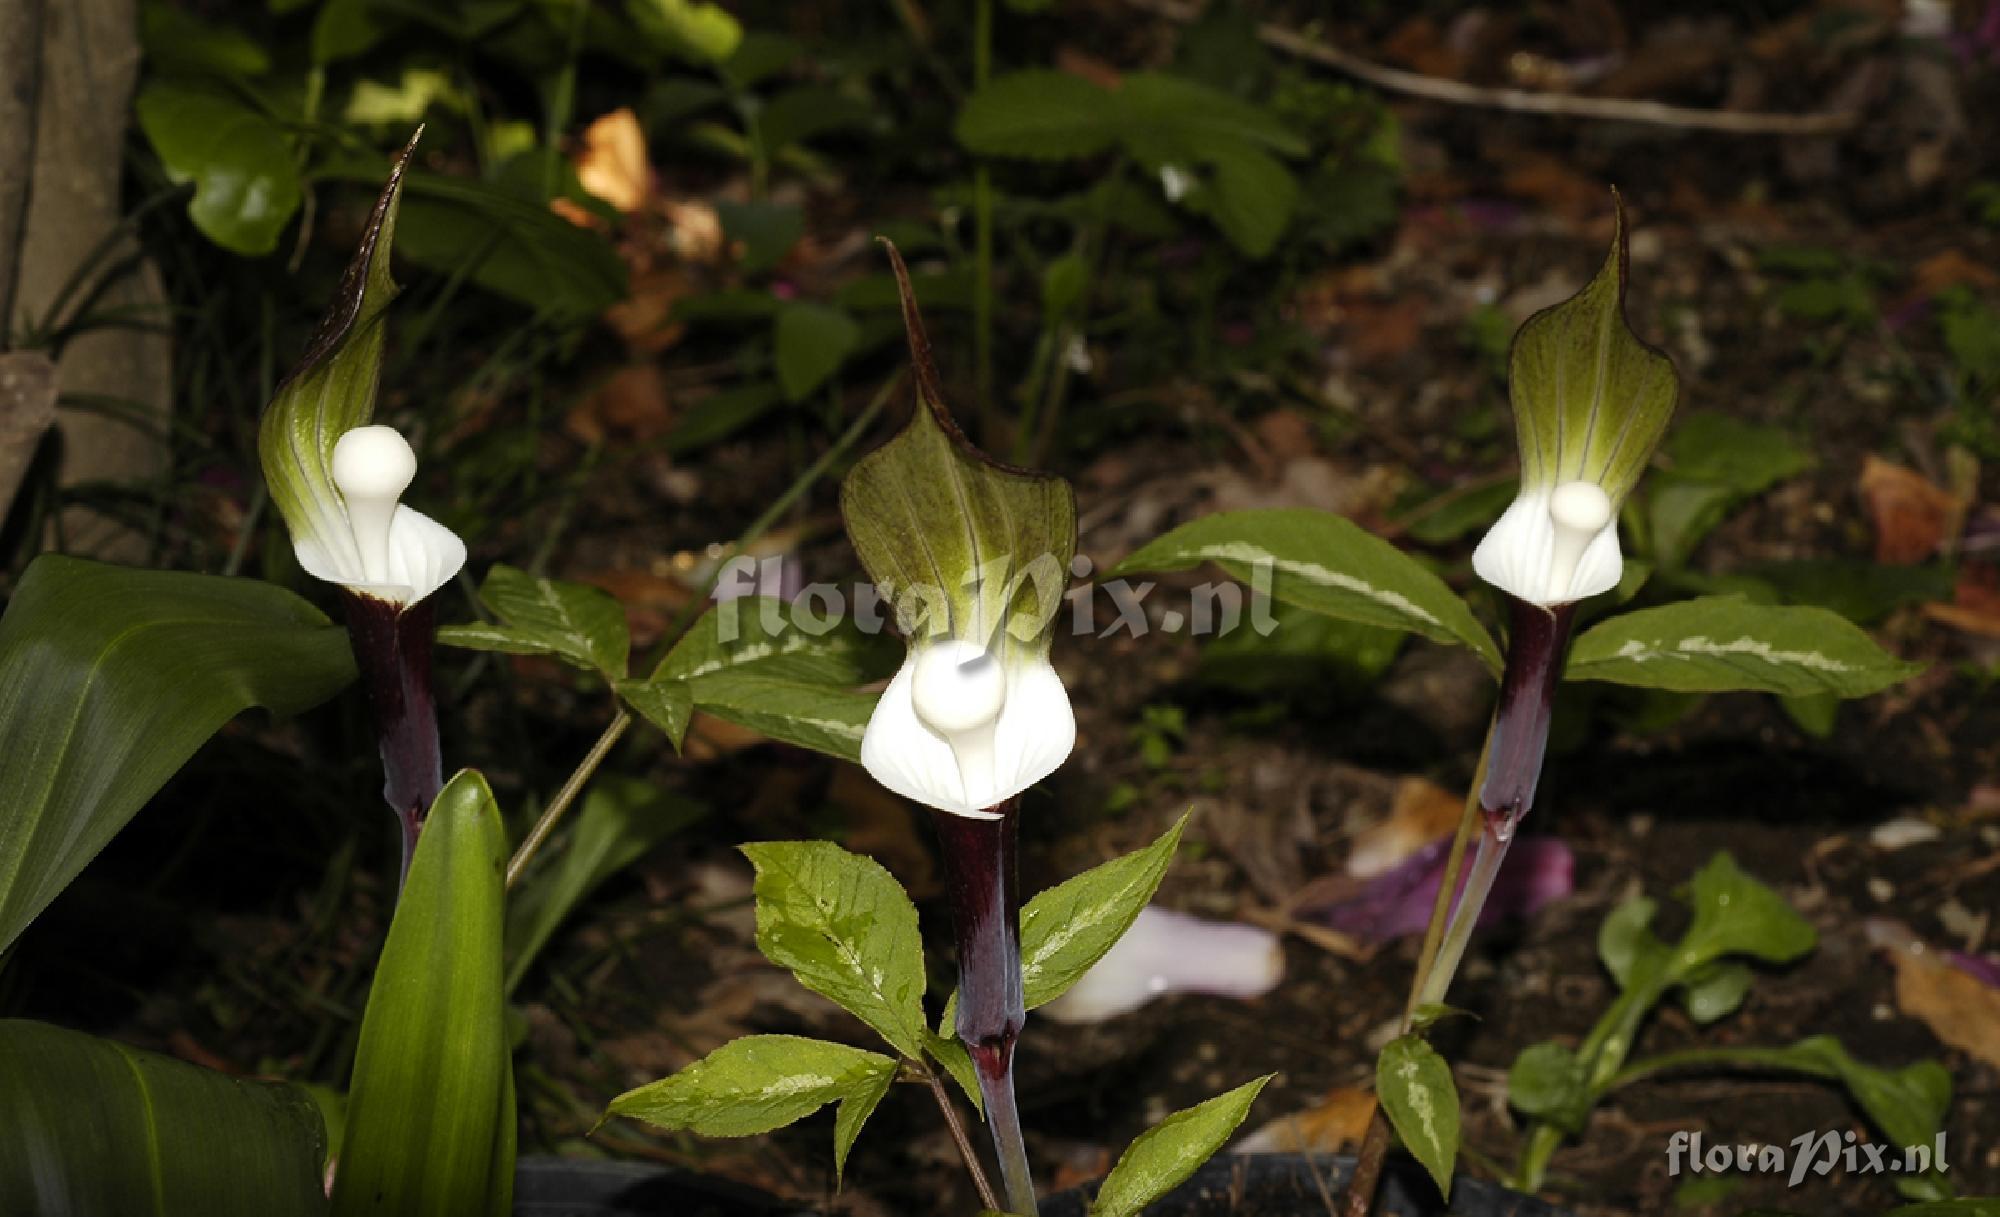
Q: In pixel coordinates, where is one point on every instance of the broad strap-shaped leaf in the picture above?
(845, 928)
(962, 546)
(1719, 643)
(1324, 563)
(620, 820)
(1590, 400)
(1421, 1101)
(511, 244)
(1069, 927)
(246, 180)
(576, 622)
(332, 391)
(1039, 113)
(1162, 1157)
(430, 1117)
(89, 1126)
(110, 678)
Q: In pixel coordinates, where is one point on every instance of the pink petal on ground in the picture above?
(1398, 902)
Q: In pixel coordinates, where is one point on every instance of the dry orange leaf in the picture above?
(1959, 1008)
(1912, 515)
(612, 163)
(1333, 1124)
(1422, 813)
(630, 404)
(1975, 601)
(1951, 269)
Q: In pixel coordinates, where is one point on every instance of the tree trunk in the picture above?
(116, 377)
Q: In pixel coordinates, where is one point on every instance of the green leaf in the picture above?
(94, 1127)
(756, 1083)
(796, 116)
(332, 391)
(179, 44)
(814, 716)
(700, 33)
(844, 927)
(1069, 927)
(246, 184)
(957, 1062)
(1590, 400)
(1736, 915)
(811, 342)
(346, 28)
(1626, 943)
(1203, 118)
(1720, 643)
(1322, 562)
(1160, 1158)
(854, 1111)
(1421, 1101)
(1039, 113)
(1858, 589)
(576, 622)
(1968, 1206)
(721, 415)
(512, 246)
(667, 704)
(110, 678)
(620, 820)
(1716, 991)
(768, 231)
(1714, 461)
(769, 666)
(430, 1117)
(959, 544)
(1305, 654)
(1251, 196)
(1547, 1081)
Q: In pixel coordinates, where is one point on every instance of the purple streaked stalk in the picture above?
(392, 649)
(979, 865)
(1537, 642)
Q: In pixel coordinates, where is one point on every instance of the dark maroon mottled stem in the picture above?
(1536, 645)
(979, 865)
(392, 648)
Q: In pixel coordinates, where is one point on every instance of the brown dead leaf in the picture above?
(645, 318)
(1381, 331)
(1557, 187)
(612, 163)
(1957, 1007)
(1285, 433)
(652, 599)
(1975, 601)
(1422, 813)
(1090, 67)
(1335, 1123)
(630, 405)
(1949, 269)
(1912, 516)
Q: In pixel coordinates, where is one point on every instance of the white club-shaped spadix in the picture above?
(962, 729)
(1553, 545)
(376, 546)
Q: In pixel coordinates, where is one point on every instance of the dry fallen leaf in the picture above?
(612, 163)
(883, 826)
(1958, 1008)
(1975, 601)
(1423, 812)
(1333, 1124)
(630, 405)
(1951, 269)
(1912, 515)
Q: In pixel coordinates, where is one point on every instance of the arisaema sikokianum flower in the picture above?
(974, 557)
(1591, 402)
(338, 480)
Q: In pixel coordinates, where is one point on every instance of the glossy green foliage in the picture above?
(430, 1117)
(110, 678)
(92, 1128)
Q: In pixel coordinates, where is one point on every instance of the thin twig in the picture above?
(957, 1125)
(553, 813)
(1523, 101)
